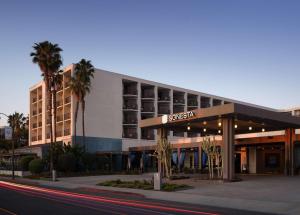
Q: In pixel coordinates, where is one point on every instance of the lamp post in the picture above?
(12, 148)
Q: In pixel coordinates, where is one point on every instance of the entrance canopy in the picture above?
(246, 119)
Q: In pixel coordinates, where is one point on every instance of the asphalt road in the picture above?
(24, 199)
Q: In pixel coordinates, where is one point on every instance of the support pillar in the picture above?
(200, 157)
(161, 133)
(228, 148)
(289, 152)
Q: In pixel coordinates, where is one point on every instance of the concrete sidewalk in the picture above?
(277, 195)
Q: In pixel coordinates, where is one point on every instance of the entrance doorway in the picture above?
(237, 163)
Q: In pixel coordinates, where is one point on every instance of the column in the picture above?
(200, 157)
(161, 133)
(228, 148)
(289, 152)
(178, 159)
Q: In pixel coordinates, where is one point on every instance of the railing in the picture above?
(130, 121)
(130, 106)
(148, 95)
(129, 92)
(40, 124)
(163, 111)
(164, 98)
(178, 101)
(33, 138)
(193, 103)
(147, 109)
(34, 100)
(34, 112)
(130, 135)
(34, 125)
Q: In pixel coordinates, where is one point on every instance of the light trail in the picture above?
(103, 200)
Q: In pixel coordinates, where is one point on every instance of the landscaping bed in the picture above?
(144, 185)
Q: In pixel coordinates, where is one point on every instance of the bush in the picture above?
(89, 161)
(24, 162)
(67, 162)
(36, 166)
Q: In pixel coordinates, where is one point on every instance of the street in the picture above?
(25, 199)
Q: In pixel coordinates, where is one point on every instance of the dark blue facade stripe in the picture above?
(100, 144)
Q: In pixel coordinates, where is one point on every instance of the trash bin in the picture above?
(157, 181)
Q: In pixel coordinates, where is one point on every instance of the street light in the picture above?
(12, 148)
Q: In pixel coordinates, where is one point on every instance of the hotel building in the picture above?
(114, 109)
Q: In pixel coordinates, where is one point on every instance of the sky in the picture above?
(244, 50)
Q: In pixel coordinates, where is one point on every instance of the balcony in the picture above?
(129, 87)
(34, 125)
(33, 138)
(130, 106)
(147, 109)
(205, 102)
(40, 97)
(34, 112)
(147, 134)
(217, 102)
(34, 100)
(59, 103)
(163, 98)
(59, 133)
(67, 132)
(40, 124)
(40, 110)
(129, 120)
(163, 110)
(178, 101)
(48, 136)
(48, 121)
(59, 118)
(67, 116)
(163, 94)
(130, 132)
(147, 91)
(40, 137)
(178, 109)
(68, 100)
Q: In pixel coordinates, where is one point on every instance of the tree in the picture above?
(81, 86)
(56, 84)
(15, 121)
(48, 58)
(163, 153)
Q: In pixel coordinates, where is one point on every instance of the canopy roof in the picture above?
(247, 118)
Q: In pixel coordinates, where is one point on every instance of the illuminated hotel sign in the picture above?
(177, 116)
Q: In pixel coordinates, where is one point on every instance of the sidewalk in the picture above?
(280, 195)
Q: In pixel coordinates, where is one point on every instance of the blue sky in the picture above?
(245, 50)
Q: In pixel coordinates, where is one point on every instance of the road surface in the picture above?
(27, 199)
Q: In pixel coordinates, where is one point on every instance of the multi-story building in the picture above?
(114, 108)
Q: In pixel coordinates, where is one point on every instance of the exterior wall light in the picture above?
(250, 128)
(263, 130)
(235, 126)
(219, 124)
(189, 128)
(219, 131)
(204, 129)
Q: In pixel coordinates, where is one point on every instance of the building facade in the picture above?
(114, 108)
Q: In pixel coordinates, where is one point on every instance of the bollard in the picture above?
(53, 175)
(157, 181)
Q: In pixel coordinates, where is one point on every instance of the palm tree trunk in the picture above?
(75, 126)
(83, 122)
(54, 116)
(49, 96)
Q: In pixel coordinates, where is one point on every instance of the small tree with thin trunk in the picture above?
(163, 153)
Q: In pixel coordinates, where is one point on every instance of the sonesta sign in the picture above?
(177, 116)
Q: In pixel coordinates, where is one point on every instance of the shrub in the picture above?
(67, 162)
(89, 161)
(24, 162)
(36, 166)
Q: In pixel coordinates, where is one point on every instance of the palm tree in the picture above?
(16, 121)
(48, 58)
(56, 84)
(81, 86)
